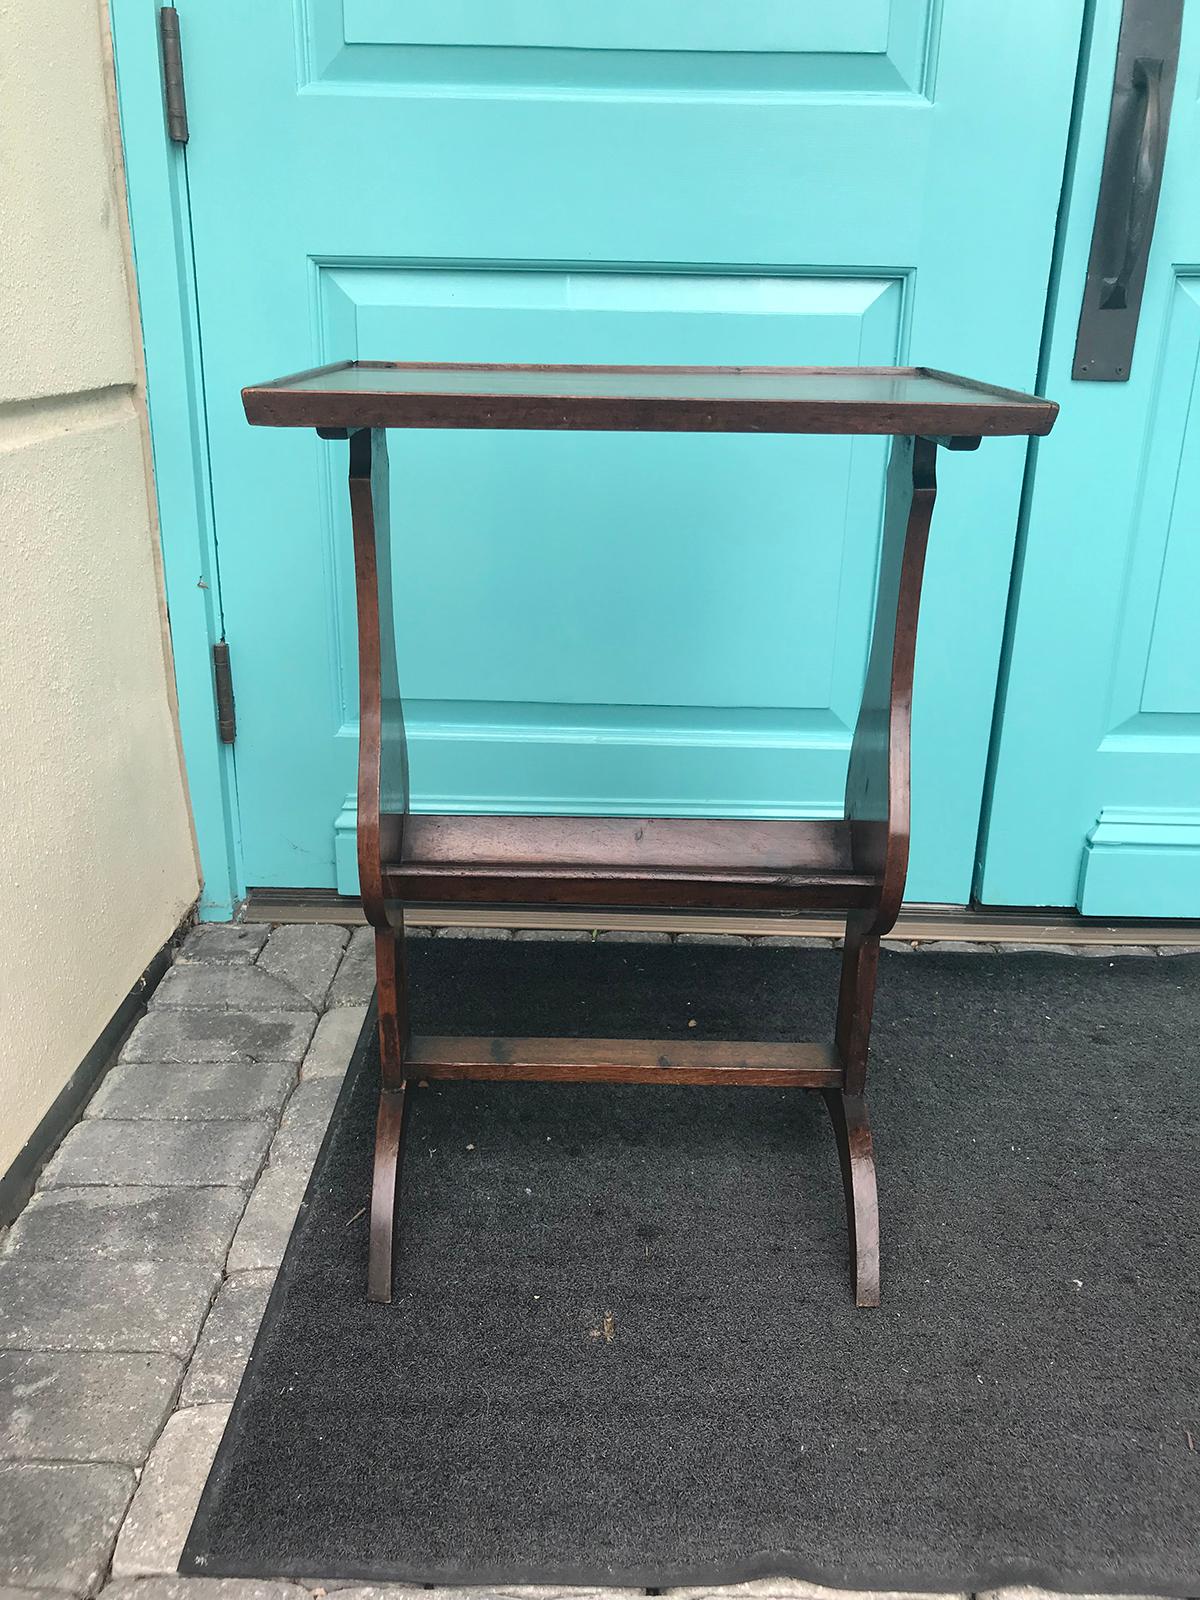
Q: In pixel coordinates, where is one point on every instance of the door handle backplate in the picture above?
(1134, 153)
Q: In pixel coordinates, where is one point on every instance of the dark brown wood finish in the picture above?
(702, 843)
(666, 862)
(382, 805)
(878, 782)
(856, 1000)
(857, 864)
(878, 779)
(389, 1131)
(382, 748)
(856, 1152)
(690, 1061)
(612, 888)
(888, 400)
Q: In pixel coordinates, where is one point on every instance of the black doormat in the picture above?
(623, 1348)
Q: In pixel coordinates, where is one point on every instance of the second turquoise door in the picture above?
(1096, 795)
(606, 623)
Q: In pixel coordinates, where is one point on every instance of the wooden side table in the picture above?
(856, 864)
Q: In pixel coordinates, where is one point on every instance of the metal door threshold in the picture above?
(918, 923)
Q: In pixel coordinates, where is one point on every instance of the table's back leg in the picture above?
(848, 1107)
(878, 809)
(856, 1001)
(382, 805)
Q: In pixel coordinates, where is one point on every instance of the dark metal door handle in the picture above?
(1134, 156)
(1144, 130)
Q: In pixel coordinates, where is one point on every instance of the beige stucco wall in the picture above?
(97, 864)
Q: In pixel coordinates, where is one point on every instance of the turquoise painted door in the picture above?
(1096, 797)
(605, 623)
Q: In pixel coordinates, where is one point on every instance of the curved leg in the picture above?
(848, 1113)
(392, 1008)
(389, 1125)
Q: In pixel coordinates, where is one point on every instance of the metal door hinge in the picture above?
(223, 678)
(172, 67)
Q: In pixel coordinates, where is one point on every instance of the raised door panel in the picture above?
(1142, 857)
(678, 622)
(1158, 674)
(864, 46)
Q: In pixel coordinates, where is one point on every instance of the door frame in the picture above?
(160, 224)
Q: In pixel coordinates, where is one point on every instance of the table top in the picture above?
(881, 400)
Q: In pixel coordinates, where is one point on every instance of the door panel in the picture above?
(606, 623)
(1096, 798)
(627, 633)
(630, 44)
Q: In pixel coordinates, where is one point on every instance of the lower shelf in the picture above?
(680, 1061)
(679, 863)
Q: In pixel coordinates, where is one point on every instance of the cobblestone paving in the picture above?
(132, 1285)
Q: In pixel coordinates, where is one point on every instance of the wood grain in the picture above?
(678, 1061)
(846, 400)
(857, 864)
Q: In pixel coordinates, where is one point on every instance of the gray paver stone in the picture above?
(508, 1591)
(1178, 949)
(180, 1154)
(355, 981)
(333, 1043)
(66, 1405)
(232, 988)
(796, 941)
(1013, 947)
(128, 1224)
(177, 1587)
(58, 1522)
(1021, 1592)
(304, 1121)
(214, 1091)
(7, 1593)
(712, 938)
(179, 1035)
(103, 1305)
(797, 1589)
(1090, 951)
(237, 942)
(153, 1534)
(226, 1341)
(558, 935)
(1107, 951)
(306, 956)
(632, 936)
(267, 1225)
(458, 931)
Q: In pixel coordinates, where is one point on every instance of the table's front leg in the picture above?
(856, 1155)
(382, 806)
(879, 810)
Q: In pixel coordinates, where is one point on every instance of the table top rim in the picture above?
(982, 408)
